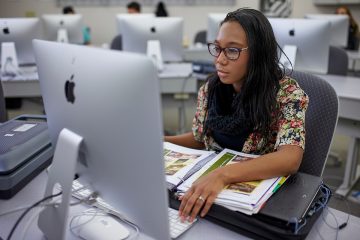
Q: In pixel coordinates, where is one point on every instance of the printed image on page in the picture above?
(180, 160)
(243, 187)
(174, 161)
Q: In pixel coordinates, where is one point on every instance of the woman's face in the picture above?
(231, 34)
(341, 11)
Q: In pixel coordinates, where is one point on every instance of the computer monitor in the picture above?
(136, 32)
(112, 101)
(56, 25)
(339, 27)
(21, 31)
(143, 16)
(213, 25)
(310, 36)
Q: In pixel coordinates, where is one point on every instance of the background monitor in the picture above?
(73, 23)
(122, 151)
(21, 31)
(310, 36)
(120, 16)
(169, 31)
(214, 20)
(339, 27)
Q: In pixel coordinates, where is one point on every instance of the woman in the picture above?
(249, 106)
(353, 41)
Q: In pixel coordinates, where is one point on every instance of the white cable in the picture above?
(330, 226)
(78, 217)
(30, 221)
(99, 212)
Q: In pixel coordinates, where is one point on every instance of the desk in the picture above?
(203, 230)
(197, 53)
(348, 90)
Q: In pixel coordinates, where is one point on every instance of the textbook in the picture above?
(246, 197)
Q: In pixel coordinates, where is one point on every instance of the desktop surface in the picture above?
(202, 230)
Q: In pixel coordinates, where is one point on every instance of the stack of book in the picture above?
(183, 166)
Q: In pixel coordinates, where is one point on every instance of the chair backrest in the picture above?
(338, 61)
(3, 116)
(200, 37)
(320, 121)
(116, 43)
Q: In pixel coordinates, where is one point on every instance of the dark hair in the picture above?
(161, 10)
(134, 5)
(351, 18)
(68, 10)
(261, 84)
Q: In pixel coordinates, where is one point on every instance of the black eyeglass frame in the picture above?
(226, 51)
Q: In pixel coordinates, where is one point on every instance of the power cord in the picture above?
(27, 210)
(93, 212)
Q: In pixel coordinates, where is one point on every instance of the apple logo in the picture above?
(153, 29)
(69, 89)
(6, 30)
(292, 32)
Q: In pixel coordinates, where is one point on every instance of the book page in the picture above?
(245, 195)
(180, 160)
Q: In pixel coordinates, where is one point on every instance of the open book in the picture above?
(246, 197)
(182, 162)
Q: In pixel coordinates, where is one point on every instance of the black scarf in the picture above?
(225, 112)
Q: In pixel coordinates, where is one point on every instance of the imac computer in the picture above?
(64, 28)
(310, 37)
(136, 32)
(213, 25)
(21, 32)
(339, 27)
(104, 117)
(143, 16)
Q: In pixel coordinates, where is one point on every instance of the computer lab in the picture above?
(179, 119)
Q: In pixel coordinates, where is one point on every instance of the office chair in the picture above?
(116, 43)
(200, 37)
(3, 116)
(338, 61)
(320, 121)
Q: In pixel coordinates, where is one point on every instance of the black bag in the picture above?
(260, 227)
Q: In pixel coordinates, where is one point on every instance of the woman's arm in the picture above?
(185, 140)
(280, 163)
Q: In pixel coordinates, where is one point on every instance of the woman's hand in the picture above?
(202, 194)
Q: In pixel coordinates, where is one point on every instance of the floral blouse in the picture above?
(287, 129)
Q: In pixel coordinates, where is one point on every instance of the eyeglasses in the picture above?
(231, 53)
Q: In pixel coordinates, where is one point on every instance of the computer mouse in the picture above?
(101, 227)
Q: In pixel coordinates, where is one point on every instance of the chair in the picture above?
(3, 116)
(200, 37)
(116, 43)
(320, 121)
(338, 61)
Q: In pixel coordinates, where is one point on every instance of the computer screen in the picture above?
(111, 100)
(339, 27)
(21, 31)
(72, 23)
(213, 25)
(310, 36)
(169, 31)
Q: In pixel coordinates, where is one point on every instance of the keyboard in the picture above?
(176, 226)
